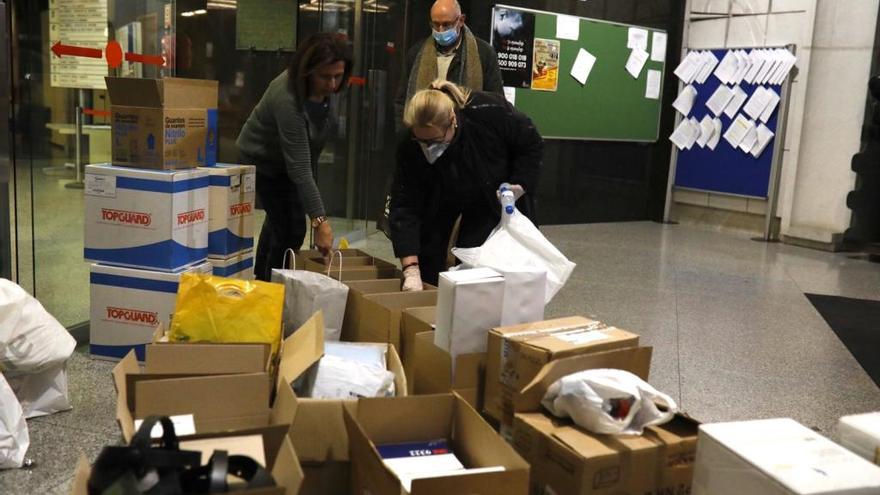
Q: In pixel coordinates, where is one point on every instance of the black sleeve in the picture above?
(492, 81)
(407, 195)
(526, 148)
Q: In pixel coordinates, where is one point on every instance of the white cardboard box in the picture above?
(231, 209)
(149, 219)
(524, 295)
(126, 306)
(860, 433)
(469, 304)
(239, 266)
(777, 457)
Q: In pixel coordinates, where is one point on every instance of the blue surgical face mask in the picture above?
(433, 152)
(446, 38)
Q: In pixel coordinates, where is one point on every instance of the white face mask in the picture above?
(433, 152)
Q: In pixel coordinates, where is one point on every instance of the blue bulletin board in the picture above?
(727, 169)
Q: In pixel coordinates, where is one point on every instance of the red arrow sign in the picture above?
(77, 51)
(145, 59)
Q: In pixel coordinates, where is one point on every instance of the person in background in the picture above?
(461, 147)
(452, 53)
(283, 137)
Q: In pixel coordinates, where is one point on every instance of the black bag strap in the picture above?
(211, 478)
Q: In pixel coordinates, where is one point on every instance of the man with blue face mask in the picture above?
(453, 53)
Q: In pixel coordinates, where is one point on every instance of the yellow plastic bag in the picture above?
(218, 309)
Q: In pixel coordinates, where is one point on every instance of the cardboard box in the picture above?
(516, 354)
(414, 321)
(165, 124)
(860, 433)
(318, 430)
(305, 254)
(127, 304)
(424, 418)
(205, 358)
(776, 457)
(277, 453)
(469, 303)
(149, 219)
(567, 459)
(231, 209)
(239, 266)
(354, 268)
(378, 316)
(435, 372)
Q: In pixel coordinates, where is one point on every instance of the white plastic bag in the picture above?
(307, 292)
(608, 401)
(31, 339)
(41, 393)
(515, 244)
(14, 439)
(341, 378)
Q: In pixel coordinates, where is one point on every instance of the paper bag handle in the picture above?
(292, 254)
(330, 264)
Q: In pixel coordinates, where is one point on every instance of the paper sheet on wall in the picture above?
(695, 132)
(710, 61)
(771, 105)
(757, 103)
(583, 65)
(744, 66)
(757, 58)
(688, 68)
(707, 130)
(776, 63)
(652, 86)
(636, 62)
(658, 46)
(739, 97)
(685, 100)
(769, 60)
(726, 68)
(738, 130)
(637, 39)
(719, 99)
(765, 135)
(750, 139)
(684, 135)
(716, 135)
(510, 94)
(568, 27)
(788, 61)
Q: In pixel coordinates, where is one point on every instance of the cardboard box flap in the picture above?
(424, 314)
(478, 445)
(565, 340)
(286, 405)
(302, 349)
(273, 437)
(528, 331)
(206, 397)
(385, 425)
(475, 483)
(127, 366)
(206, 359)
(287, 470)
(636, 360)
(392, 359)
(403, 300)
(80, 485)
(189, 93)
(433, 367)
(131, 92)
(589, 445)
(377, 286)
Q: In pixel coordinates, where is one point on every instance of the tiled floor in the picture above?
(733, 335)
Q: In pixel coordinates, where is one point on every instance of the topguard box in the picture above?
(231, 210)
(163, 124)
(149, 219)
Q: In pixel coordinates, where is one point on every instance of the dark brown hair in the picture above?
(317, 50)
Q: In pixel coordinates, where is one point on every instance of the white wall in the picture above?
(834, 41)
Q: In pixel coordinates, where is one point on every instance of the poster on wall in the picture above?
(80, 23)
(513, 34)
(545, 65)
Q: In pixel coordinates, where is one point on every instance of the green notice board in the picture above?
(612, 105)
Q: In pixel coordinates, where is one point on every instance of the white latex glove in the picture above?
(412, 279)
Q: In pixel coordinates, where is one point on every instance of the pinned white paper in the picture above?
(510, 94)
(727, 68)
(707, 130)
(719, 99)
(582, 66)
(688, 68)
(652, 86)
(658, 46)
(773, 101)
(710, 61)
(716, 135)
(738, 130)
(750, 139)
(637, 39)
(636, 62)
(684, 135)
(567, 27)
(765, 135)
(694, 134)
(685, 100)
(739, 97)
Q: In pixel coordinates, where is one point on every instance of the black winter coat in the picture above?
(494, 143)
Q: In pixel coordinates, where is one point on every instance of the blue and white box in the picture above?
(126, 306)
(231, 209)
(240, 266)
(149, 219)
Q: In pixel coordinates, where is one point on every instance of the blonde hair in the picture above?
(433, 107)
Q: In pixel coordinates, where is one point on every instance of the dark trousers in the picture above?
(284, 227)
(477, 222)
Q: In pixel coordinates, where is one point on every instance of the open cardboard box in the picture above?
(567, 459)
(377, 317)
(361, 267)
(414, 321)
(424, 418)
(205, 358)
(277, 453)
(517, 353)
(435, 372)
(318, 428)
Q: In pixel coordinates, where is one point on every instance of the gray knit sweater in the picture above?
(276, 137)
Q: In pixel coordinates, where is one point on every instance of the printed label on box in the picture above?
(100, 185)
(250, 182)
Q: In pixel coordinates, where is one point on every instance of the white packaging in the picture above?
(524, 293)
(367, 353)
(42, 393)
(231, 209)
(149, 219)
(341, 378)
(469, 304)
(860, 433)
(126, 306)
(14, 438)
(240, 266)
(777, 457)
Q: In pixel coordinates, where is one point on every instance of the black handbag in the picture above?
(142, 468)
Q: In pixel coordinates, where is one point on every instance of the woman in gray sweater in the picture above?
(283, 137)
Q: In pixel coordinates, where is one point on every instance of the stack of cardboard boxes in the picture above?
(160, 209)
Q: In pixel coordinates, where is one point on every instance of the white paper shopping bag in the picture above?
(307, 292)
